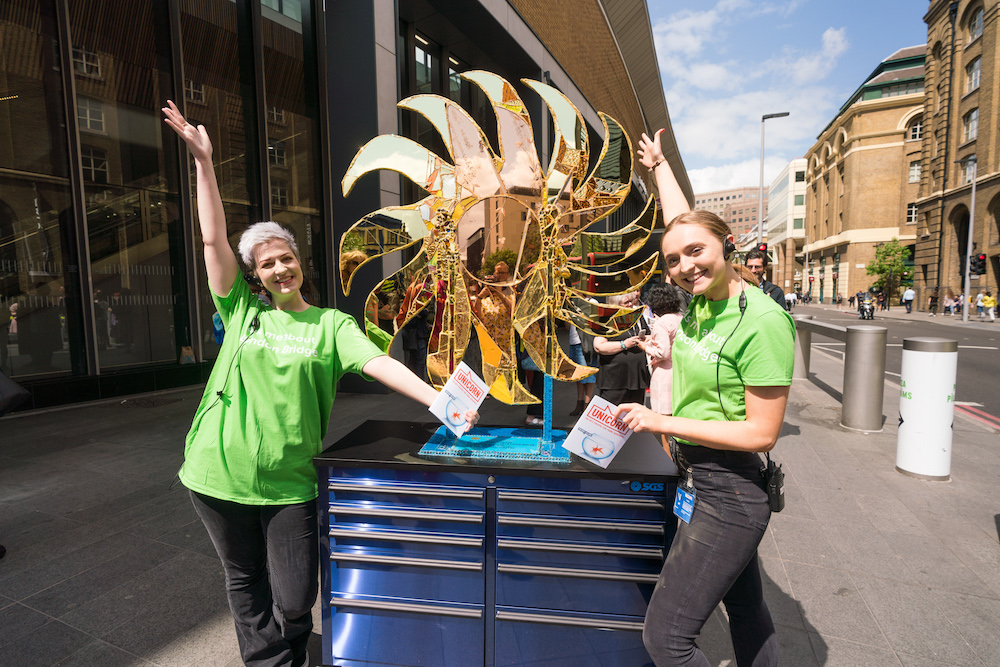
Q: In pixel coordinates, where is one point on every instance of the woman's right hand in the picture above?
(196, 138)
(650, 151)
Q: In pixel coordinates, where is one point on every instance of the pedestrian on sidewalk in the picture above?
(756, 261)
(990, 304)
(908, 296)
(733, 361)
(248, 455)
(667, 304)
(980, 308)
(949, 303)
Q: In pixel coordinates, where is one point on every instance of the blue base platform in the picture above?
(495, 443)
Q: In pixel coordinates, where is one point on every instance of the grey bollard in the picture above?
(803, 348)
(927, 408)
(864, 378)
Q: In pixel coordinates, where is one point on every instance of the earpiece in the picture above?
(728, 248)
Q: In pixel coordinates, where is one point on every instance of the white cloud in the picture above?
(716, 100)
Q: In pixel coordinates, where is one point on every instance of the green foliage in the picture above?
(499, 255)
(353, 241)
(890, 260)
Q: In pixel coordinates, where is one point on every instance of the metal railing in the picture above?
(864, 368)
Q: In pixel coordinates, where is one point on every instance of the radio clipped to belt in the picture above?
(774, 484)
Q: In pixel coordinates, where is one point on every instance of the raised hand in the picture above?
(196, 138)
(650, 152)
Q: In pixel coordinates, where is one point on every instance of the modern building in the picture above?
(100, 257)
(959, 144)
(863, 175)
(786, 234)
(737, 206)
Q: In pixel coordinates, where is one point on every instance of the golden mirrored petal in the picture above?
(379, 233)
(570, 148)
(597, 319)
(600, 249)
(609, 183)
(406, 156)
(600, 281)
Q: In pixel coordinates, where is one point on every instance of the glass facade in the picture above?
(101, 270)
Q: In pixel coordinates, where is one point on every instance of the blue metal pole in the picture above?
(547, 416)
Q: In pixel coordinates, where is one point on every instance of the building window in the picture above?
(976, 25)
(968, 165)
(911, 214)
(800, 200)
(275, 115)
(915, 171)
(94, 162)
(86, 62)
(970, 125)
(797, 223)
(276, 153)
(972, 71)
(800, 177)
(916, 132)
(290, 8)
(90, 114)
(194, 92)
(279, 194)
(903, 89)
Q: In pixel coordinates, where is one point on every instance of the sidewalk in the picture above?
(865, 566)
(899, 313)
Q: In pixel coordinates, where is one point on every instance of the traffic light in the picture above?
(762, 247)
(978, 266)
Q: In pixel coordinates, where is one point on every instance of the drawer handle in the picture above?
(406, 489)
(407, 561)
(577, 499)
(405, 513)
(604, 575)
(407, 536)
(600, 549)
(597, 624)
(384, 605)
(590, 524)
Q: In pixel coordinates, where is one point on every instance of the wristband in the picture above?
(657, 164)
(623, 344)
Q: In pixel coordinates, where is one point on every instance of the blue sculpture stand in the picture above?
(499, 443)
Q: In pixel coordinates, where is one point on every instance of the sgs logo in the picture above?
(646, 486)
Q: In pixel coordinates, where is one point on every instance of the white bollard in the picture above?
(927, 408)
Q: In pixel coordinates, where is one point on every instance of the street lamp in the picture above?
(969, 245)
(760, 197)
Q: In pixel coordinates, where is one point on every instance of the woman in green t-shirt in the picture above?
(733, 357)
(248, 456)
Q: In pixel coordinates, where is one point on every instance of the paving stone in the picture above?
(977, 621)
(933, 564)
(803, 541)
(777, 593)
(16, 620)
(834, 652)
(102, 654)
(45, 646)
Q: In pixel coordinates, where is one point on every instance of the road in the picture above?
(978, 352)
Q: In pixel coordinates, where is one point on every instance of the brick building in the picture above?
(960, 138)
(737, 206)
(863, 175)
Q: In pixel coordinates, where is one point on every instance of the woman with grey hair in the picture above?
(248, 455)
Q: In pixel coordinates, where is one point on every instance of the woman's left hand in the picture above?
(639, 418)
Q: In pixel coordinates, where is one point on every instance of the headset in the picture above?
(728, 248)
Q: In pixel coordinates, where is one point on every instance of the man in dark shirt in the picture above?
(756, 261)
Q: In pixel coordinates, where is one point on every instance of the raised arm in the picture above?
(672, 199)
(220, 260)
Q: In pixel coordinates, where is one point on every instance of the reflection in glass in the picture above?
(129, 181)
(497, 248)
(35, 334)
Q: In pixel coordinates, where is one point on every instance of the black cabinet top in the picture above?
(382, 444)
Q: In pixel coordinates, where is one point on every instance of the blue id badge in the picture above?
(684, 503)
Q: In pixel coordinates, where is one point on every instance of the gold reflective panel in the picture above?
(503, 247)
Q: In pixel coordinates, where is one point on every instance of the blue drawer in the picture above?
(596, 555)
(390, 574)
(404, 632)
(470, 522)
(575, 589)
(564, 503)
(581, 528)
(542, 639)
(408, 541)
(411, 494)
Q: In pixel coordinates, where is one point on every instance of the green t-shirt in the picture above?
(254, 444)
(759, 353)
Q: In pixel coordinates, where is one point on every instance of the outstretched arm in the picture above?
(672, 198)
(399, 378)
(758, 433)
(220, 260)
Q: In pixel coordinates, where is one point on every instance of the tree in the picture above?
(889, 264)
(353, 241)
(500, 255)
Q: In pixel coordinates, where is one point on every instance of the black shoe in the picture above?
(578, 410)
(3, 551)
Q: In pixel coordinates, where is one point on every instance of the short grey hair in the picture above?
(620, 299)
(262, 232)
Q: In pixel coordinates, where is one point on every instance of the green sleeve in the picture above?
(237, 300)
(354, 350)
(768, 357)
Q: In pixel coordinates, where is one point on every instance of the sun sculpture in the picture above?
(480, 202)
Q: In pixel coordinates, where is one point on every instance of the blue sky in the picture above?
(725, 63)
